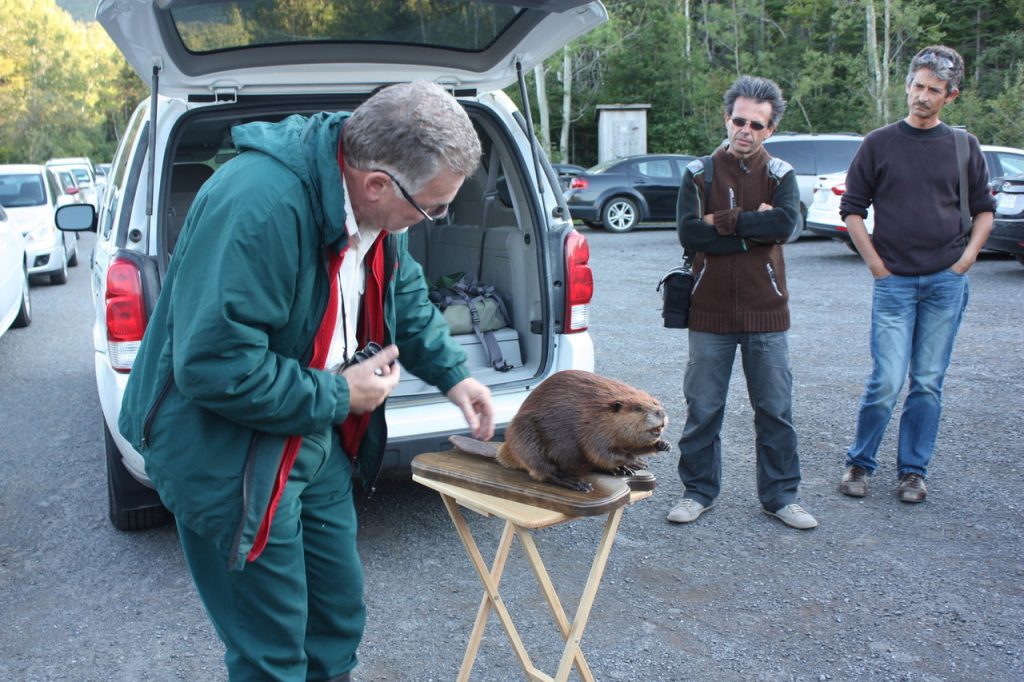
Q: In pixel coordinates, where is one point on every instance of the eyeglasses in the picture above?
(740, 122)
(433, 214)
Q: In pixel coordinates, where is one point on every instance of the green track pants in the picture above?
(297, 612)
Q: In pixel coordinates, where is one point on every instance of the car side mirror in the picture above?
(76, 218)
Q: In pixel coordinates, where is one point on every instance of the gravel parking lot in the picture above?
(880, 591)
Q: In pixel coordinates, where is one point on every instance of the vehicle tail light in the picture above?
(579, 283)
(579, 183)
(72, 191)
(126, 313)
(839, 190)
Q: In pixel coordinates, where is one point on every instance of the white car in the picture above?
(30, 194)
(508, 226)
(15, 303)
(823, 213)
(85, 176)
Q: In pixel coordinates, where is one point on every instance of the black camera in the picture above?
(362, 355)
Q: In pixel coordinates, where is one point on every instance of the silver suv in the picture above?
(813, 156)
(216, 64)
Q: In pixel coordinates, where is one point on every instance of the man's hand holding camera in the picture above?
(371, 380)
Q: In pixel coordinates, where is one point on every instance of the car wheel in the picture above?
(620, 215)
(851, 247)
(61, 276)
(1019, 257)
(24, 317)
(131, 505)
(73, 260)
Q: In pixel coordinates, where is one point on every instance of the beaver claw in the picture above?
(663, 445)
(571, 483)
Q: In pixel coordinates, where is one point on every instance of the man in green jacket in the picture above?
(245, 400)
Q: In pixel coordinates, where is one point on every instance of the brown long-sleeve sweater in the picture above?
(739, 271)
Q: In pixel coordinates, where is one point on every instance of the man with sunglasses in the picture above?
(261, 380)
(736, 221)
(919, 255)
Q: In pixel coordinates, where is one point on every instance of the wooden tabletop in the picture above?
(507, 493)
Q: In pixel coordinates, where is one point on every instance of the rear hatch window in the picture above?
(247, 23)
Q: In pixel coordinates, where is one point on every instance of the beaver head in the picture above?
(640, 418)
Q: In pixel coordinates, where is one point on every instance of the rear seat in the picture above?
(186, 179)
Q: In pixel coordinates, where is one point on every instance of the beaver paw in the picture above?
(662, 445)
(572, 483)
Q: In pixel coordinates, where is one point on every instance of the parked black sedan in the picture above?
(620, 194)
(1008, 230)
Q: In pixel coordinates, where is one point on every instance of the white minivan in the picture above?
(215, 64)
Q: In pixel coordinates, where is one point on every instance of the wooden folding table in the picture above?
(525, 505)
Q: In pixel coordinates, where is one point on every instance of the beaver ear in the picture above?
(617, 406)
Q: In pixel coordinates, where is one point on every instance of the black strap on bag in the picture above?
(676, 285)
(962, 157)
(464, 291)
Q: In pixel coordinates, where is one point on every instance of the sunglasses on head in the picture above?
(740, 122)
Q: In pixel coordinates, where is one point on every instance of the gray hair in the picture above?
(945, 62)
(413, 130)
(759, 90)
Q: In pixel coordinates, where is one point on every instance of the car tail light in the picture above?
(579, 183)
(579, 283)
(839, 190)
(126, 313)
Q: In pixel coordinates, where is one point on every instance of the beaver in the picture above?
(576, 422)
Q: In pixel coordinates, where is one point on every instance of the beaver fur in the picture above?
(576, 422)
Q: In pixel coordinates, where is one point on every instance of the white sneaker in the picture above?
(794, 516)
(687, 511)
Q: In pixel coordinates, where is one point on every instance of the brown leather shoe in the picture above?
(854, 482)
(912, 488)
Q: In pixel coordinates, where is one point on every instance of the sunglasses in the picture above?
(433, 214)
(740, 122)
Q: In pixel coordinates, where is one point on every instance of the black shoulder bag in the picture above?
(676, 285)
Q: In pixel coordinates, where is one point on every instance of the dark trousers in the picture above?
(770, 387)
(297, 612)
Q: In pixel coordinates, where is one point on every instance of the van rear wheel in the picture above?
(131, 505)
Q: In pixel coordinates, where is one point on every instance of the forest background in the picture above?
(65, 90)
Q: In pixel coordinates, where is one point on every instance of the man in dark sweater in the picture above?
(919, 255)
(740, 299)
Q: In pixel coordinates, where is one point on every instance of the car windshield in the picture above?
(470, 26)
(20, 190)
(81, 175)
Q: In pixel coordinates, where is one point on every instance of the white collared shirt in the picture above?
(351, 286)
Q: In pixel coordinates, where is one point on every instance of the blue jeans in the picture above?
(770, 387)
(914, 321)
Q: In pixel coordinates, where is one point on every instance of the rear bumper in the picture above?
(825, 230)
(1007, 237)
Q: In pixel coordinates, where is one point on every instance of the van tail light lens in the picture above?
(839, 190)
(578, 183)
(579, 283)
(126, 313)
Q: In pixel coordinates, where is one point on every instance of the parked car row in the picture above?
(620, 194)
(30, 194)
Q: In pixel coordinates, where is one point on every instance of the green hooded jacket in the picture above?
(221, 380)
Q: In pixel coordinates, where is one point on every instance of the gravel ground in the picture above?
(880, 591)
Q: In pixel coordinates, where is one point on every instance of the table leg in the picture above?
(548, 590)
(491, 594)
(572, 644)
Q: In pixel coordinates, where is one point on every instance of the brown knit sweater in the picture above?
(739, 271)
